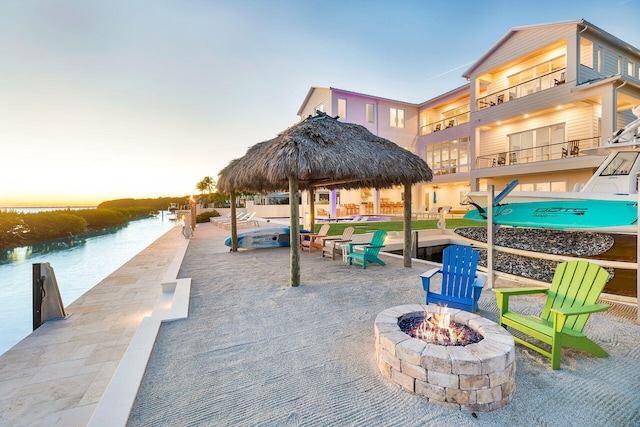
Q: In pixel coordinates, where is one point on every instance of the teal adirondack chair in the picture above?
(461, 284)
(370, 250)
(572, 297)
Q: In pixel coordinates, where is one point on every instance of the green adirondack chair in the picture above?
(571, 298)
(370, 250)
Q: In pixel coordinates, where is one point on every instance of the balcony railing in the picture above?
(445, 123)
(529, 87)
(544, 153)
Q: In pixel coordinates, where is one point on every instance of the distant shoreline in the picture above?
(42, 208)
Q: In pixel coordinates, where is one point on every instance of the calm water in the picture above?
(79, 265)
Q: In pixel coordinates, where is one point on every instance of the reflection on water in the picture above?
(79, 264)
(23, 252)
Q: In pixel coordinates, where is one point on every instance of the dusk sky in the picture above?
(115, 99)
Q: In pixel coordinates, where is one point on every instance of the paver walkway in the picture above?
(57, 375)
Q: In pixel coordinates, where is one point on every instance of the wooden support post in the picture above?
(234, 225)
(294, 232)
(490, 198)
(312, 209)
(407, 225)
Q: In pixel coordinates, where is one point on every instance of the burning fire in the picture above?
(437, 328)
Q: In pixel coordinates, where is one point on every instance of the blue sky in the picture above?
(114, 99)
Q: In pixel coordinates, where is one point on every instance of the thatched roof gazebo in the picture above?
(321, 151)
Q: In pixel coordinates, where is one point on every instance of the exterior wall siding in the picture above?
(529, 40)
(319, 96)
(578, 124)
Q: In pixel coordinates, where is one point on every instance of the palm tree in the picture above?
(207, 184)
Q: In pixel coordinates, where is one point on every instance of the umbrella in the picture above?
(321, 151)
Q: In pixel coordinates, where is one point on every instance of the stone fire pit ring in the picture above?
(475, 377)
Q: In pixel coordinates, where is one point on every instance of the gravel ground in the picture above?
(557, 242)
(256, 352)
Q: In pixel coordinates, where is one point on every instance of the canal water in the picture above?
(79, 264)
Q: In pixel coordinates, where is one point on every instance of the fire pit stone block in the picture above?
(475, 377)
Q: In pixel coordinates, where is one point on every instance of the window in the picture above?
(396, 118)
(621, 164)
(537, 144)
(342, 108)
(630, 68)
(449, 156)
(599, 58)
(619, 64)
(586, 52)
(559, 186)
(538, 77)
(370, 113)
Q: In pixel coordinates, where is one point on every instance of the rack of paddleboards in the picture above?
(263, 238)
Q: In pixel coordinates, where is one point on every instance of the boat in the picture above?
(607, 202)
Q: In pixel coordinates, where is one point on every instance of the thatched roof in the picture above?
(322, 151)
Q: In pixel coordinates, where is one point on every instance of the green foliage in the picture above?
(219, 200)
(159, 204)
(204, 216)
(136, 212)
(42, 226)
(19, 229)
(103, 218)
(12, 228)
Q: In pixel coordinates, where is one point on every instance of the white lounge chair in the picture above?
(432, 212)
(246, 222)
(239, 217)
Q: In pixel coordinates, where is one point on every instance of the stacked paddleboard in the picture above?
(263, 238)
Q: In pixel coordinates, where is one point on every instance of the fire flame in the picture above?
(436, 328)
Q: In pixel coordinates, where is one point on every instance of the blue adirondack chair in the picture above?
(461, 284)
(370, 250)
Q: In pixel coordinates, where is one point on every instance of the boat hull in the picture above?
(620, 216)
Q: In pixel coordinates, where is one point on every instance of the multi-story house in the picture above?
(396, 121)
(534, 102)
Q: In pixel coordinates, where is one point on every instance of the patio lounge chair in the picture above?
(225, 221)
(309, 241)
(214, 219)
(333, 245)
(370, 250)
(245, 222)
(461, 284)
(434, 211)
(422, 211)
(572, 297)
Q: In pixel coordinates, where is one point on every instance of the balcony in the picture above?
(544, 153)
(445, 123)
(546, 81)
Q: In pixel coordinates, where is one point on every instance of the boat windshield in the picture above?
(621, 164)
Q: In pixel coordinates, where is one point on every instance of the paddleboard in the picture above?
(263, 238)
(564, 214)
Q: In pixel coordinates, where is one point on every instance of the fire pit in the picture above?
(478, 376)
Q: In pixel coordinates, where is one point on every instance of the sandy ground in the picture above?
(255, 351)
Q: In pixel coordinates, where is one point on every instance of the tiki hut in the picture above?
(321, 151)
